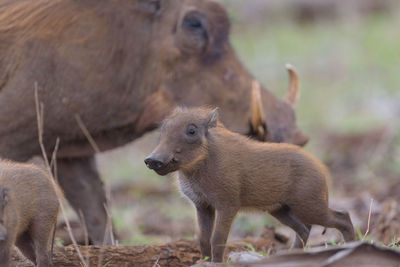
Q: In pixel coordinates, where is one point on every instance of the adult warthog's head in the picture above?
(197, 66)
(138, 60)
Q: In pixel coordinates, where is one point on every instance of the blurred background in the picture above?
(347, 55)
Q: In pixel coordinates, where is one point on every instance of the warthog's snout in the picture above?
(153, 163)
(161, 163)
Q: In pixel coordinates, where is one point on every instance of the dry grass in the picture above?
(109, 229)
(39, 117)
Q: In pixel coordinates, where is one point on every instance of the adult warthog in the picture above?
(121, 66)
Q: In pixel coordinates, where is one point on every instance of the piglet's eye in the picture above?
(191, 130)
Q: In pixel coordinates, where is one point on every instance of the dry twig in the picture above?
(109, 229)
(39, 117)
(369, 218)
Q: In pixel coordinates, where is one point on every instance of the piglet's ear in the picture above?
(212, 118)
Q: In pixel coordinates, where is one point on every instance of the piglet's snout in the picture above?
(153, 163)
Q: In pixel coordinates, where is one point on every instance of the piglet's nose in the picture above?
(153, 164)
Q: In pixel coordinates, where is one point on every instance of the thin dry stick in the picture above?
(53, 156)
(109, 229)
(109, 221)
(107, 232)
(156, 262)
(369, 218)
(107, 187)
(85, 232)
(53, 163)
(39, 117)
(269, 251)
(108, 212)
(87, 134)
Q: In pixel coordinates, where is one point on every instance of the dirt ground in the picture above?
(150, 210)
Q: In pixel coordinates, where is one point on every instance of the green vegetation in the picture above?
(58, 242)
(343, 66)
(359, 234)
(250, 246)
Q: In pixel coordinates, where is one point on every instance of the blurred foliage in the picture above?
(343, 66)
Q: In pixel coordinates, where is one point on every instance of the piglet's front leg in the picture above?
(222, 227)
(205, 219)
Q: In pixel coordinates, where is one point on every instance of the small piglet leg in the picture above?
(25, 245)
(5, 255)
(287, 218)
(205, 219)
(223, 224)
(42, 236)
(342, 222)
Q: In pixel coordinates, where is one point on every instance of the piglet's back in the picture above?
(30, 189)
(260, 160)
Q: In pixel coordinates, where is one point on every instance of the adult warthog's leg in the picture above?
(80, 181)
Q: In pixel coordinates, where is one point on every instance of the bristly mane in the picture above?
(24, 20)
(37, 17)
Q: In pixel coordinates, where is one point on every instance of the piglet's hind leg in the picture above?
(302, 230)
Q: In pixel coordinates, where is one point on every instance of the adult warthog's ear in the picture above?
(212, 118)
(203, 30)
(192, 32)
(257, 119)
(294, 88)
(149, 6)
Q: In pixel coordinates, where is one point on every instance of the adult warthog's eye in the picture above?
(193, 24)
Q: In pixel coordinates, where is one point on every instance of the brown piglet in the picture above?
(222, 173)
(28, 212)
